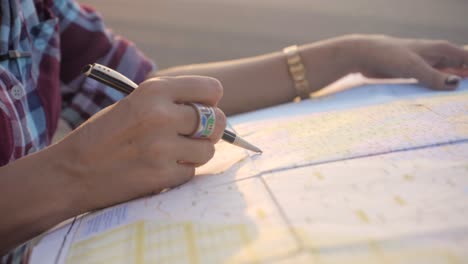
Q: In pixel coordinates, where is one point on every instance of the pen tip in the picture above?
(253, 148)
(244, 144)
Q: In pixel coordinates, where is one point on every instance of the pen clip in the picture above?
(110, 77)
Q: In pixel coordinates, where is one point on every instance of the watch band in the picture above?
(297, 71)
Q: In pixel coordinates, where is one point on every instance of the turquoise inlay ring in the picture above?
(206, 120)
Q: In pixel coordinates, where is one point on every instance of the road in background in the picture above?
(175, 32)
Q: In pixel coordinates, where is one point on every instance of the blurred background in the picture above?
(175, 32)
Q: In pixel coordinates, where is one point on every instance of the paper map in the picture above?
(379, 184)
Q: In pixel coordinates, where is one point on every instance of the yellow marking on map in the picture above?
(362, 216)
(408, 177)
(261, 214)
(181, 242)
(319, 175)
(375, 248)
(139, 243)
(399, 200)
(192, 248)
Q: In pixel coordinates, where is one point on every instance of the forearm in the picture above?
(262, 81)
(36, 195)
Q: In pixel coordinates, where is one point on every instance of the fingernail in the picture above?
(452, 80)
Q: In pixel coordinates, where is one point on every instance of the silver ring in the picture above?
(206, 120)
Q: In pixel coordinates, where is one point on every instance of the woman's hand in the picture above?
(436, 64)
(133, 148)
(139, 145)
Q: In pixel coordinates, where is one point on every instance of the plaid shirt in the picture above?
(55, 39)
(61, 37)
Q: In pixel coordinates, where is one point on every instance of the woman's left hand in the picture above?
(436, 64)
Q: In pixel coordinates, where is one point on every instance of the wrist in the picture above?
(361, 49)
(36, 195)
(350, 49)
(58, 182)
(66, 173)
(327, 61)
(71, 171)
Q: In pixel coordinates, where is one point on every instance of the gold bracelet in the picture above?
(298, 72)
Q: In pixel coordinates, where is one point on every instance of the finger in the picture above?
(194, 151)
(188, 121)
(431, 77)
(448, 55)
(198, 89)
(462, 72)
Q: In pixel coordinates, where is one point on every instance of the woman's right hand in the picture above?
(139, 145)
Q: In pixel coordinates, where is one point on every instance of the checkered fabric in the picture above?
(61, 37)
(58, 38)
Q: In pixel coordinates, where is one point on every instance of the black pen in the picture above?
(121, 83)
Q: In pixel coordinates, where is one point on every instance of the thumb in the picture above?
(432, 77)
